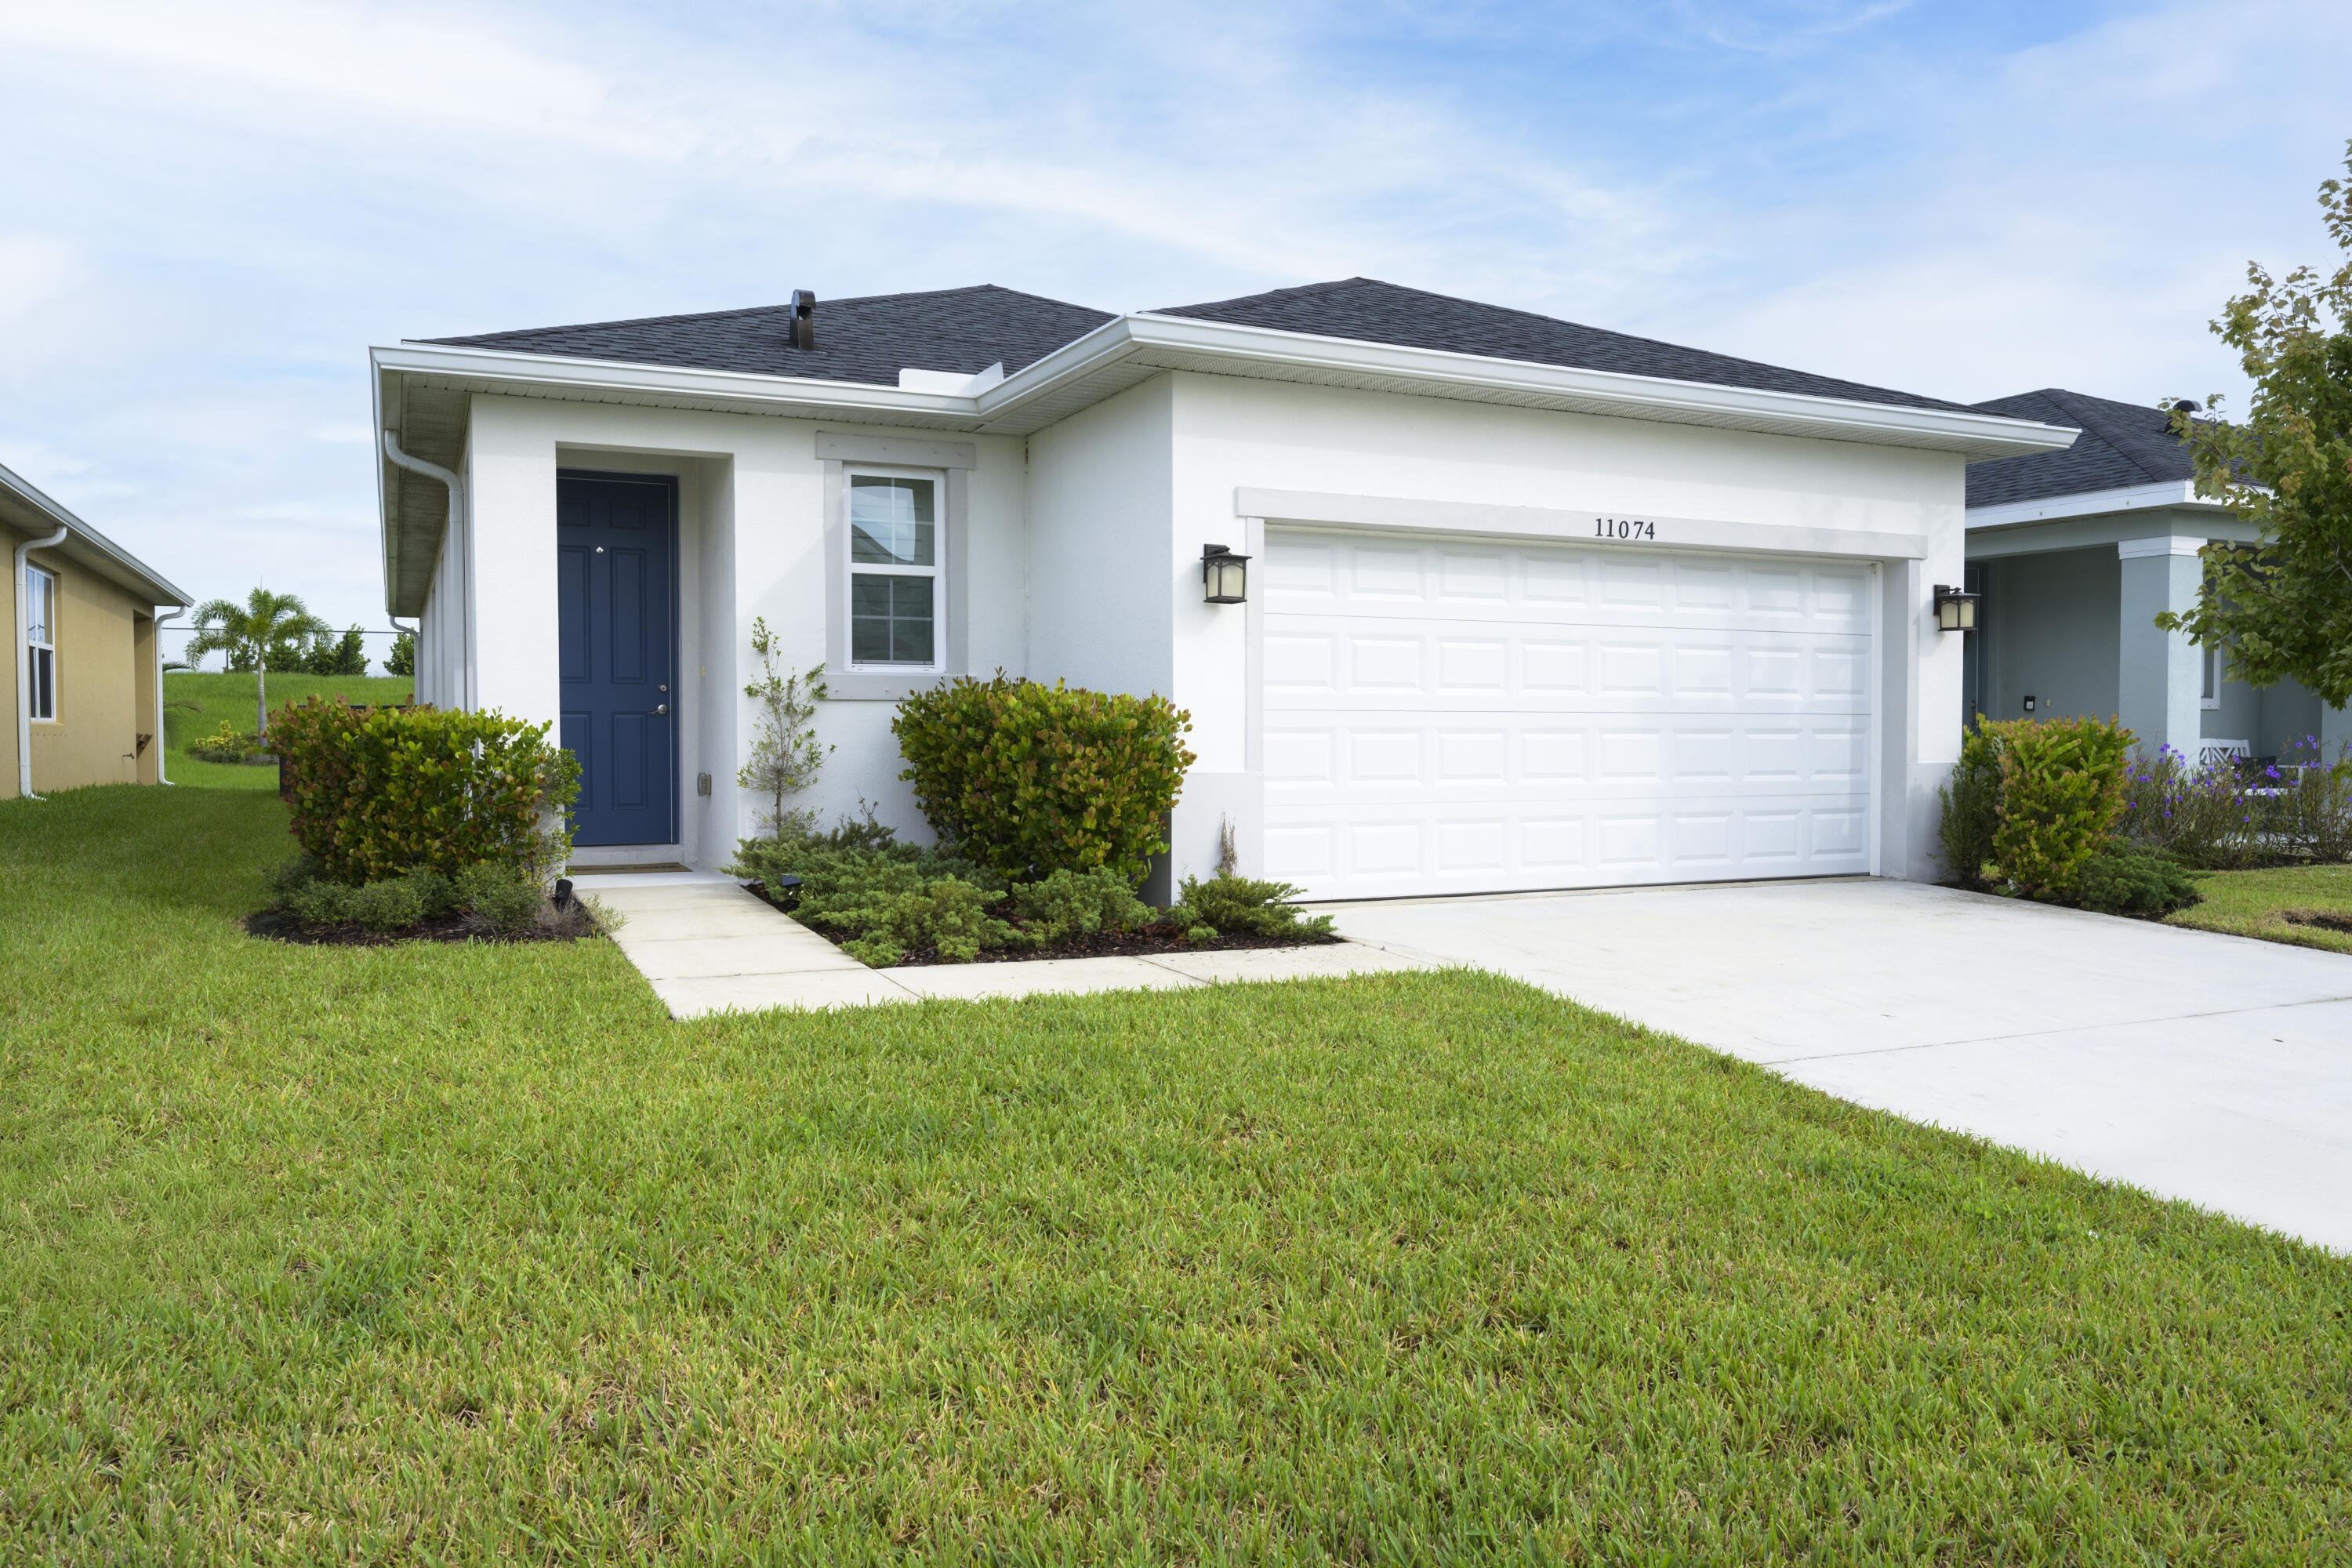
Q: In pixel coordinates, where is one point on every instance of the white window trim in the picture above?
(849, 681)
(49, 581)
(2211, 676)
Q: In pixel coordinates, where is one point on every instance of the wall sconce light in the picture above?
(1955, 609)
(1224, 576)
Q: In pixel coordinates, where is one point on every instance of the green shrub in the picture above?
(797, 843)
(2124, 883)
(1079, 903)
(225, 745)
(1029, 779)
(1241, 906)
(395, 903)
(497, 895)
(2062, 789)
(375, 793)
(948, 914)
(1972, 806)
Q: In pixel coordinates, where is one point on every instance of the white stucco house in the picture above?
(2074, 553)
(1528, 604)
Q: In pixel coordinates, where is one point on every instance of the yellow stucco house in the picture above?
(79, 656)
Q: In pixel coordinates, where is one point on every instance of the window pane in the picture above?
(44, 674)
(38, 595)
(890, 620)
(892, 521)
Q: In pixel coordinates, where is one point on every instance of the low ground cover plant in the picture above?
(888, 903)
(471, 1254)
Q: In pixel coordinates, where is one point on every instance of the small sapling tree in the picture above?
(785, 752)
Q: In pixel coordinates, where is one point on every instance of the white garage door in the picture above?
(1461, 715)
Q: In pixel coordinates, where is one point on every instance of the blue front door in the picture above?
(614, 576)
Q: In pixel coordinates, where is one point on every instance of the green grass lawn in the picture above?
(468, 1253)
(2255, 903)
(196, 703)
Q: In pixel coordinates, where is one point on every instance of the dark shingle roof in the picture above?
(1370, 310)
(2121, 443)
(869, 340)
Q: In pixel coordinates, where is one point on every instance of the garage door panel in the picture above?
(1372, 852)
(1327, 755)
(1465, 716)
(1316, 660)
(1597, 586)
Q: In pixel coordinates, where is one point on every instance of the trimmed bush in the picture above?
(1029, 779)
(377, 791)
(1242, 906)
(2121, 882)
(2062, 789)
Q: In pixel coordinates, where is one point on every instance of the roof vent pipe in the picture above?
(804, 318)
(24, 666)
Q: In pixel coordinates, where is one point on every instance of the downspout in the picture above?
(24, 666)
(162, 750)
(456, 521)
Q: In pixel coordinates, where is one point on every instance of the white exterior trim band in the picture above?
(1561, 526)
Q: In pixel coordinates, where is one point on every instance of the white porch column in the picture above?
(2159, 674)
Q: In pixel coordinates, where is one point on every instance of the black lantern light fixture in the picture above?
(1224, 576)
(1955, 609)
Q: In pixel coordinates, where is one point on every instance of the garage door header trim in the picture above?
(1562, 525)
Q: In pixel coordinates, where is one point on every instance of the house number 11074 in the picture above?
(1622, 528)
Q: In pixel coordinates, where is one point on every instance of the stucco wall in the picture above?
(1102, 545)
(2049, 621)
(1231, 432)
(752, 543)
(105, 682)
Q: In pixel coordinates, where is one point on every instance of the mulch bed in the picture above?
(1150, 942)
(277, 925)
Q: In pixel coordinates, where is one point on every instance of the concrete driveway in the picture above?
(2214, 1068)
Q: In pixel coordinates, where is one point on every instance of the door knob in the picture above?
(662, 707)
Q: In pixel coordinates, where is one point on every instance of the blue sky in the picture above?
(211, 211)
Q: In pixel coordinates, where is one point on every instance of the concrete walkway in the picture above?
(706, 946)
(2213, 1068)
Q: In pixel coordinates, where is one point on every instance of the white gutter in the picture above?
(465, 542)
(25, 665)
(2090, 503)
(162, 750)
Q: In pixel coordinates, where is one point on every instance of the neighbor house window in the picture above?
(41, 641)
(894, 570)
(2211, 697)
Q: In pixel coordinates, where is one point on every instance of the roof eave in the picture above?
(92, 548)
(2092, 503)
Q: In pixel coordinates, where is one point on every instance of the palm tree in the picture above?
(269, 622)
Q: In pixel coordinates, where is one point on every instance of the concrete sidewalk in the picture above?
(2208, 1068)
